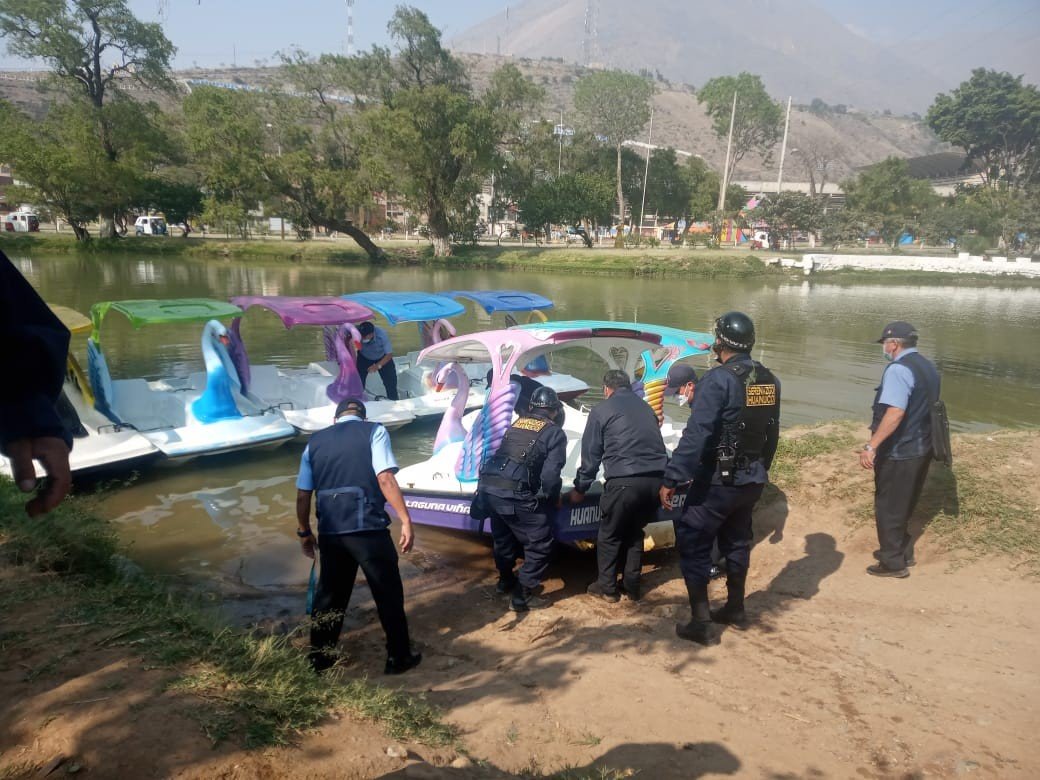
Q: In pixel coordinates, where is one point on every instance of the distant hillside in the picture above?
(795, 46)
(849, 141)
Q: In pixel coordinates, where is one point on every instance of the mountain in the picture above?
(797, 48)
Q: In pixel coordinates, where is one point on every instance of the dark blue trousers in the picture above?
(521, 529)
(722, 513)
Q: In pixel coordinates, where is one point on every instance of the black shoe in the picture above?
(321, 662)
(597, 590)
(716, 572)
(883, 571)
(524, 599)
(633, 593)
(909, 561)
(505, 586)
(402, 665)
(699, 631)
(730, 616)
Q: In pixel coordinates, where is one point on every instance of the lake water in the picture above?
(233, 517)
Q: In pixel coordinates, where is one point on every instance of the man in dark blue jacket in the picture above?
(622, 434)
(900, 446)
(350, 468)
(34, 346)
(518, 489)
(726, 449)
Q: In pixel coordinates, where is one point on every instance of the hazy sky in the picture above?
(211, 32)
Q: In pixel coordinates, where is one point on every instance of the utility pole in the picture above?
(646, 173)
(783, 148)
(729, 149)
(559, 166)
(350, 28)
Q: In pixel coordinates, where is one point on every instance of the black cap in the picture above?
(898, 330)
(366, 328)
(678, 375)
(353, 406)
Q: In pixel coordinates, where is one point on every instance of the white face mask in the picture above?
(886, 353)
(680, 399)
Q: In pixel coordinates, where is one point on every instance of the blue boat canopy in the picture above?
(503, 300)
(398, 307)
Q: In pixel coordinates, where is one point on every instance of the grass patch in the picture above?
(796, 451)
(258, 688)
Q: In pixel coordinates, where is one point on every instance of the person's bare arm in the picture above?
(392, 494)
(893, 417)
(303, 520)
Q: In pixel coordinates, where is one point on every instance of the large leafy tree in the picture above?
(614, 106)
(704, 192)
(429, 138)
(995, 119)
(887, 199)
(758, 121)
(570, 198)
(94, 48)
(788, 213)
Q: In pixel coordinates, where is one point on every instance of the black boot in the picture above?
(506, 584)
(699, 629)
(524, 599)
(732, 614)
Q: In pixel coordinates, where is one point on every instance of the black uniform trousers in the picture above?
(627, 505)
(897, 486)
(520, 528)
(387, 373)
(341, 555)
(722, 512)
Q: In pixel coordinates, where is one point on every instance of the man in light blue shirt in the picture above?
(348, 469)
(377, 354)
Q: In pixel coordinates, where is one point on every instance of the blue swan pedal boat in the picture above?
(204, 413)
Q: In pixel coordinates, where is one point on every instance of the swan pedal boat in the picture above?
(307, 397)
(98, 445)
(417, 384)
(439, 490)
(204, 413)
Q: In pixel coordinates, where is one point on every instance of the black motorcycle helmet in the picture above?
(545, 398)
(735, 330)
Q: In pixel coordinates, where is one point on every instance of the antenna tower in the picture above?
(590, 43)
(350, 28)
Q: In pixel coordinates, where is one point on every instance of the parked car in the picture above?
(22, 222)
(150, 226)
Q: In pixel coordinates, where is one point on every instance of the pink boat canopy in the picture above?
(307, 310)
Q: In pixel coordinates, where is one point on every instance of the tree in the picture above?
(614, 106)
(570, 198)
(429, 139)
(887, 199)
(759, 118)
(817, 158)
(179, 201)
(668, 188)
(995, 119)
(94, 48)
(704, 192)
(788, 213)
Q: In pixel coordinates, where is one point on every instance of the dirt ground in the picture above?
(841, 675)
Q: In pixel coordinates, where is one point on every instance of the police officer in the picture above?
(900, 446)
(350, 467)
(377, 354)
(623, 434)
(726, 449)
(518, 488)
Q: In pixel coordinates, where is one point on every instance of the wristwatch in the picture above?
(303, 534)
(867, 447)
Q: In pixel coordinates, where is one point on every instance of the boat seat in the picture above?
(267, 384)
(146, 409)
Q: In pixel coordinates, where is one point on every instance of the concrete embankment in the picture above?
(950, 264)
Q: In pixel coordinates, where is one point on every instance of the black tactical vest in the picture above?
(760, 411)
(512, 464)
